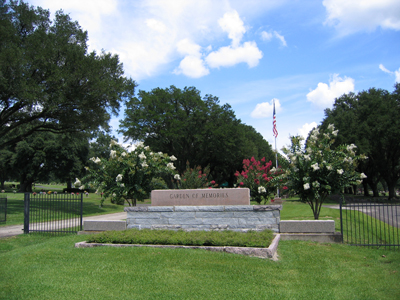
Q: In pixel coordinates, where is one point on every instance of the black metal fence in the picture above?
(3, 210)
(370, 224)
(54, 213)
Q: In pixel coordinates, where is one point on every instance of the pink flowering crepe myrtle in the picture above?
(258, 177)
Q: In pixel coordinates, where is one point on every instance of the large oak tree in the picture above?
(370, 120)
(192, 128)
(44, 155)
(48, 79)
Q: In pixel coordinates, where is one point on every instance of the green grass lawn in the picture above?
(39, 267)
(43, 267)
(362, 231)
(294, 209)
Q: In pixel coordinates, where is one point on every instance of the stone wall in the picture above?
(229, 217)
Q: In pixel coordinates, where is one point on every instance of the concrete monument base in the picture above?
(219, 217)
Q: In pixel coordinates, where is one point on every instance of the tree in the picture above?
(370, 120)
(317, 170)
(127, 176)
(67, 156)
(197, 130)
(45, 154)
(258, 177)
(100, 145)
(48, 80)
(6, 170)
(194, 178)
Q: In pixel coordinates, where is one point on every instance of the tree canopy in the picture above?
(48, 80)
(370, 120)
(198, 130)
(45, 155)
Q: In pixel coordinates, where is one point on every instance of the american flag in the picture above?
(274, 130)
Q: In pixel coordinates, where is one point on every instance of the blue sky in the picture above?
(303, 53)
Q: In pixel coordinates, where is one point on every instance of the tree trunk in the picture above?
(25, 186)
(69, 184)
(391, 187)
(316, 206)
(392, 193)
(374, 188)
(366, 191)
(2, 185)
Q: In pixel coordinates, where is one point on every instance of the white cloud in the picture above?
(265, 109)
(235, 53)
(281, 38)
(89, 13)
(229, 56)
(324, 96)
(382, 67)
(145, 33)
(156, 25)
(396, 73)
(267, 36)
(233, 25)
(192, 65)
(306, 128)
(187, 47)
(359, 15)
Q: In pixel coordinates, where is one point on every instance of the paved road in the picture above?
(380, 212)
(7, 231)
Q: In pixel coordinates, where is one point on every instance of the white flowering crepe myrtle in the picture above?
(127, 176)
(316, 170)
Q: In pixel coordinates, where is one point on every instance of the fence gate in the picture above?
(3, 209)
(54, 213)
(370, 223)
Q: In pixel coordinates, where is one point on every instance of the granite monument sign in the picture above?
(233, 196)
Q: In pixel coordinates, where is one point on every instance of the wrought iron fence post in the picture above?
(341, 220)
(26, 213)
(3, 209)
(81, 223)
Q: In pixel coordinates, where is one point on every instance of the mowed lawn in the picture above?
(43, 267)
(40, 267)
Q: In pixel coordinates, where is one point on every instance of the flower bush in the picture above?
(194, 178)
(127, 176)
(258, 176)
(316, 170)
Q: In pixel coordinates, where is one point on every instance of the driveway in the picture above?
(377, 211)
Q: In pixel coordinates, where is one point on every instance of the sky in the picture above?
(300, 54)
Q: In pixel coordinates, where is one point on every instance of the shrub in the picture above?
(194, 178)
(189, 238)
(258, 177)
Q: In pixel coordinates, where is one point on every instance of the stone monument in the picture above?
(204, 209)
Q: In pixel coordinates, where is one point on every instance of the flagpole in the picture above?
(276, 158)
(275, 131)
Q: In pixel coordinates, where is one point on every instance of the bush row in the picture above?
(260, 239)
